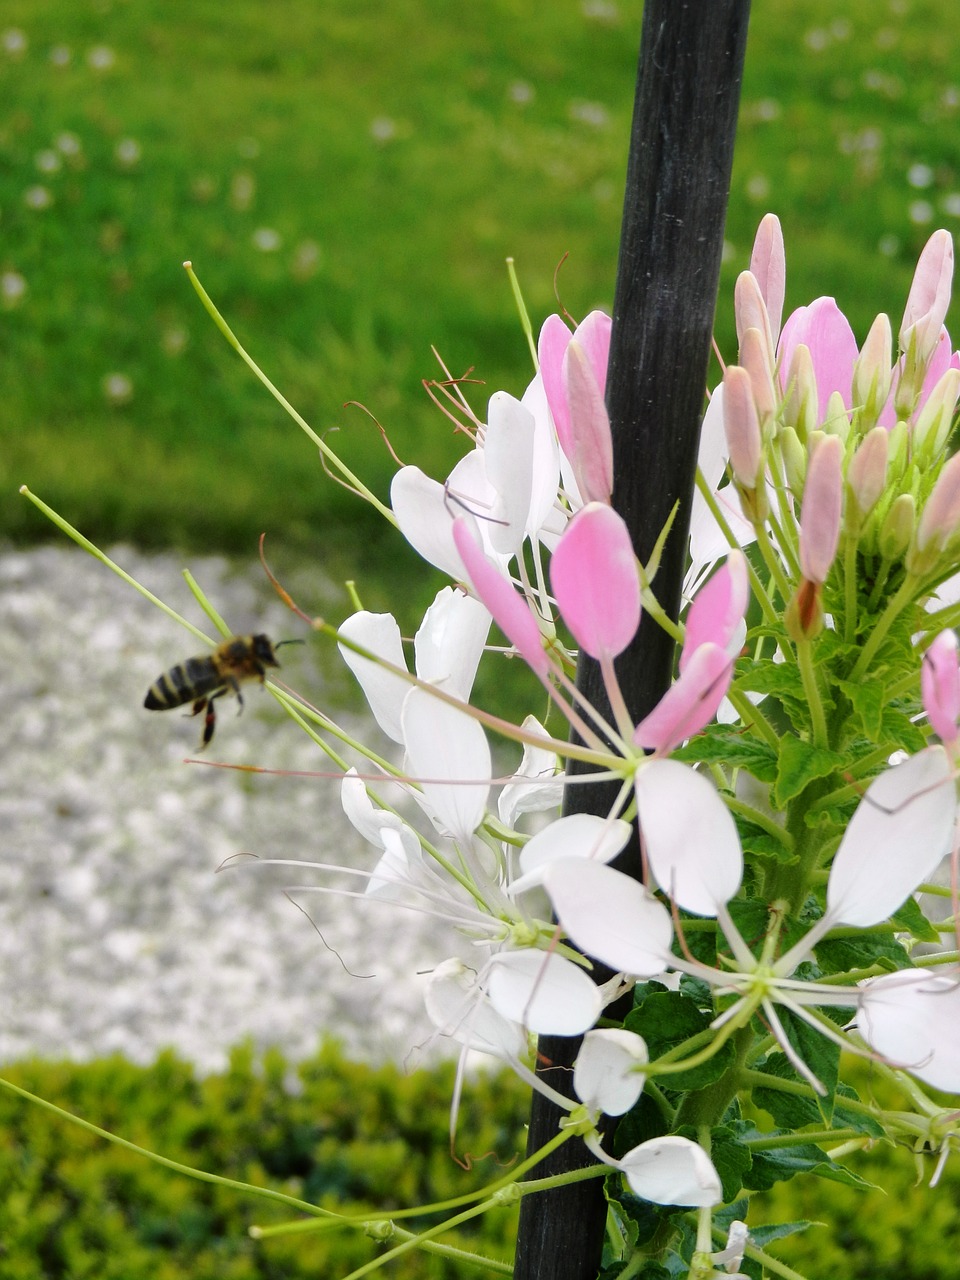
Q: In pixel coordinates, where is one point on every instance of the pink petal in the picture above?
(594, 578)
(509, 609)
(593, 335)
(590, 435)
(825, 331)
(689, 835)
(551, 348)
(741, 425)
(690, 703)
(940, 684)
(899, 832)
(718, 608)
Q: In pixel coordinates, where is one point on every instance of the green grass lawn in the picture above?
(348, 178)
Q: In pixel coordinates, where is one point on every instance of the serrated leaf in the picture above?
(779, 1164)
(760, 843)
(868, 699)
(731, 1159)
(665, 1020)
(792, 1112)
(899, 731)
(859, 951)
(800, 764)
(762, 1236)
(818, 1053)
(733, 750)
(910, 919)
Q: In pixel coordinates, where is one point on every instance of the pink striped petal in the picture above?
(940, 684)
(690, 703)
(718, 608)
(825, 331)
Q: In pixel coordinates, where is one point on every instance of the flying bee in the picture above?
(203, 679)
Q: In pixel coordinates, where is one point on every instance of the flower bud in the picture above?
(768, 267)
(821, 510)
(897, 528)
(754, 359)
(803, 616)
(794, 460)
(866, 477)
(750, 311)
(932, 427)
(836, 422)
(801, 404)
(929, 298)
(744, 445)
(873, 373)
(939, 521)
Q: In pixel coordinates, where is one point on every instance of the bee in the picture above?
(203, 679)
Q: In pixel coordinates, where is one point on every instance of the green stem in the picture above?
(901, 599)
(812, 689)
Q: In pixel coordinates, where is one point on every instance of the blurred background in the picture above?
(348, 178)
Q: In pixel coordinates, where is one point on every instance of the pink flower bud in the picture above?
(750, 311)
(867, 472)
(873, 371)
(929, 296)
(821, 509)
(939, 520)
(590, 436)
(940, 686)
(754, 359)
(769, 268)
(741, 426)
(801, 409)
(932, 427)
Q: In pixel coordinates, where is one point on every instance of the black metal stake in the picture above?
(678, 178)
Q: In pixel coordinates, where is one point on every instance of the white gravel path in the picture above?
(115, 932)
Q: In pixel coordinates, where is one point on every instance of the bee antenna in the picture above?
(280, 643)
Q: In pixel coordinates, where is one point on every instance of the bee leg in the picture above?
(198, 706)
(210, 720)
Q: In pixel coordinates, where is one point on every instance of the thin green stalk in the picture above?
(76, 536)
(759, 591)
(812, 689)
(332, 458)
(901, 599)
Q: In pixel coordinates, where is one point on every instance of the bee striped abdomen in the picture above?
(184, 683)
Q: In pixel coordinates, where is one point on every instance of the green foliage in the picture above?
(335, 1133)
(395, 155)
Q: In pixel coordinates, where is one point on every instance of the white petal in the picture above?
(672, 1170)
(912, 1019)
(384, 691)
(689, 835)
(544, 992)
(448, 750)
(363, 813)
(457, 1006)
(536, 785)
(508, 455)
(579, 835)
(450, 642)
(421, 507)
(605, 1075)
(546, 463)
(609, 916)
(392, 874)
(896, 838)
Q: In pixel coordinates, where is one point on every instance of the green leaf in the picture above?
(861, 950)
(665, 1020)
(733, 749)
(899, 731)
(778, 1164)
(793, 1112)
(731, 1159)
(910, 919)
(762, 1236)
(821, 1055)
(800, 764)
(868, 699)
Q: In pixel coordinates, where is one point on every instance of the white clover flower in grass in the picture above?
(899, 833)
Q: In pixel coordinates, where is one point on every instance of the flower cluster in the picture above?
(771, 908)
(752, 891)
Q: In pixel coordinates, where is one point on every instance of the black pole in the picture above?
(678, 179)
